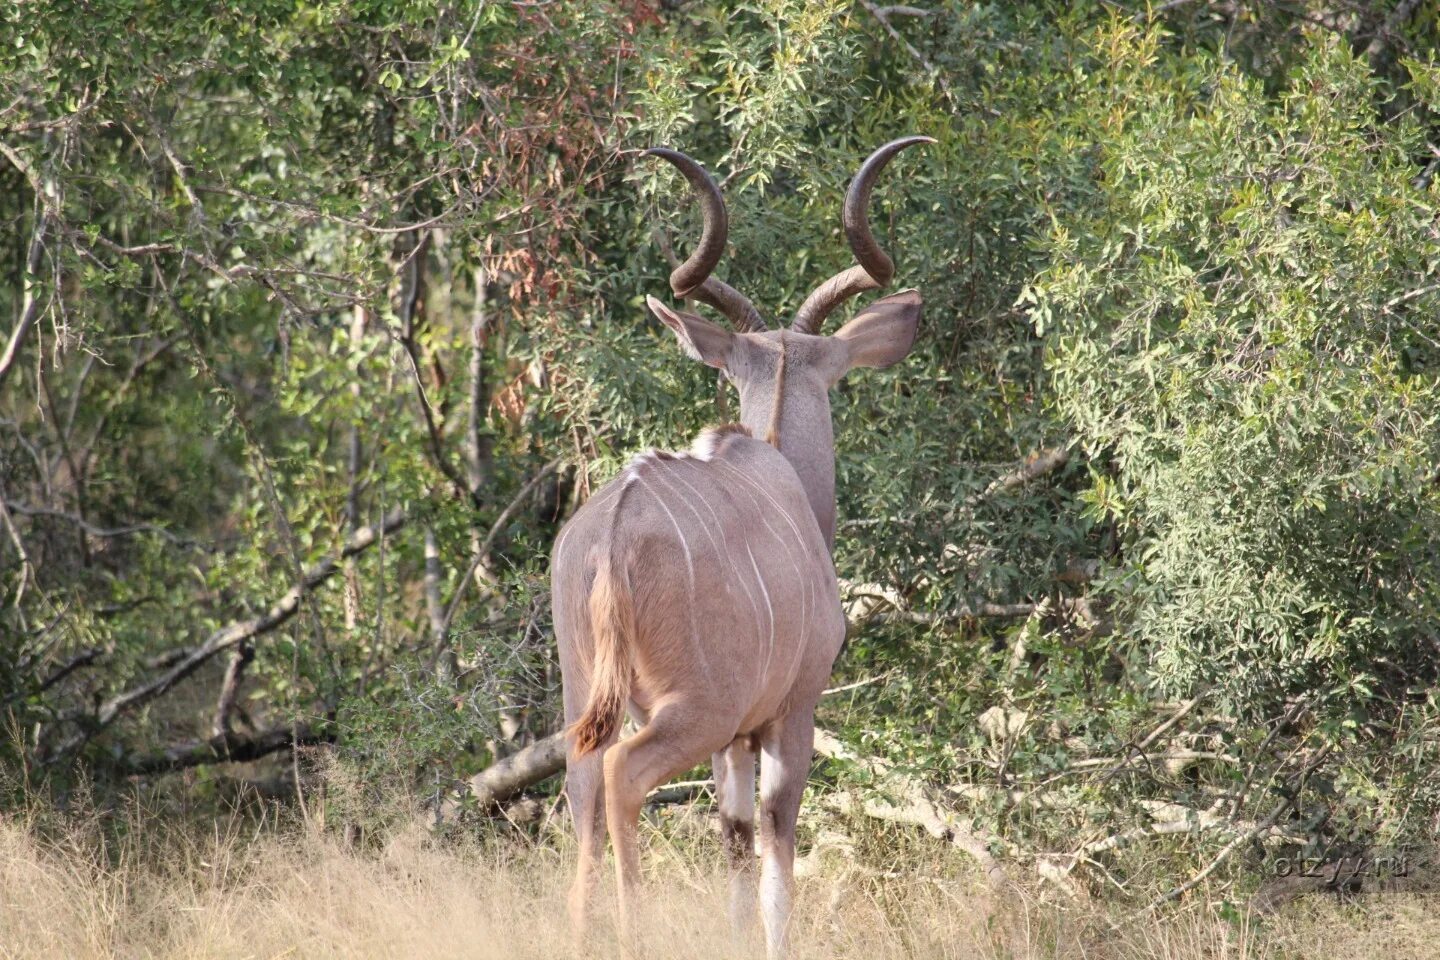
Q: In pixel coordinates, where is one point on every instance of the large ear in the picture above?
(701, 339)
(883, 333)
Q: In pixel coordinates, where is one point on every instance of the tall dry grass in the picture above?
(257, 890)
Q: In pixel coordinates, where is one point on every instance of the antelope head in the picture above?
(784, 375)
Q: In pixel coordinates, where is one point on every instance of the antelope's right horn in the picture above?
(692, 278)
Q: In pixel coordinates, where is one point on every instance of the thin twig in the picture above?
(1235, 844)
(33, 303)
(1154, 735)
(482, 556)
(90, 528)
(855, 686)
(882, 15)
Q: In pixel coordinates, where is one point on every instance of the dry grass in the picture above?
(248, 892)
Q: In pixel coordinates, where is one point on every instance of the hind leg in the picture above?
(786, 750)
(675, 739)
(584, 776)
(735, 793)
(585, 794)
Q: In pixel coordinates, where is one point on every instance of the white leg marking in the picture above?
(737, 803)
(774, 908)
(774, 879)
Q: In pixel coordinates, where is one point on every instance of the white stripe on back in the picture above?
(689, 572)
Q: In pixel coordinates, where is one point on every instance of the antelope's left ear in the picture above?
(883, 333)
(699, 338)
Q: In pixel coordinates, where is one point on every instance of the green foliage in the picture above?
(1238, 335)
(303, 264)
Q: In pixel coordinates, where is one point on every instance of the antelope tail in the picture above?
(612, 625)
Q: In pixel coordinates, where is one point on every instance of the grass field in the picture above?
(248, 889)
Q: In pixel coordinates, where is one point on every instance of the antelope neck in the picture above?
(798, 425)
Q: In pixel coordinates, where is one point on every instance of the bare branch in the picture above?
(1042, 463)
(1410, 295)
(33, 304)
(831, 691)
(168, 658)
(444, 659)
(229, 636)
(117, 396)
(1180, 714)
(1240, 840)
(1198, 821)
(481, 561)
(224, 748)
(312, 211)
(1153, 12)
(1079, 607)
(477, 461)
(90, 528)
(898, 10)
(230, 688)
(913, 804)
(27, 569)
(882, 16)
(82, 659)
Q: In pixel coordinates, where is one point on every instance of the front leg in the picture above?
(735, 792)
(786, 750)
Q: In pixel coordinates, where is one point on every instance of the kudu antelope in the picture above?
(697, 589)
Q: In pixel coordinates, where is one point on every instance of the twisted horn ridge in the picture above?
(692, 278)
(873, 269)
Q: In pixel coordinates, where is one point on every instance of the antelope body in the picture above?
(697, 589)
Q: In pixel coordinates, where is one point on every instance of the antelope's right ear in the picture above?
(699, 338)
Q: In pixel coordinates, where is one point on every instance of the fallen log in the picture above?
(228, 637)
(228, 747)
(524, 768)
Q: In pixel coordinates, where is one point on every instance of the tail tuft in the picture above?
(612, 624)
